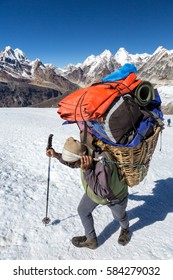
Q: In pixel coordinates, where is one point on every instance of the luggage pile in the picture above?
(123, 114)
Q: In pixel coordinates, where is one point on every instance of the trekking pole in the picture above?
(46, 220)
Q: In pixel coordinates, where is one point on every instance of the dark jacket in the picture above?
(101, 182)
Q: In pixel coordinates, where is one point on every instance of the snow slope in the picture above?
(23, 236)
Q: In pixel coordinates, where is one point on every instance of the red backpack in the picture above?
(92, 102)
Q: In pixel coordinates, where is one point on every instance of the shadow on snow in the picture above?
(155, 208)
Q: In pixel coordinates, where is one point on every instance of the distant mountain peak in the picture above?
(106, 53)
(8, 52)
(160, 49)
(20, 55)
(15, 55)
(7, 48)
(122, 50)
(121, 56)
(89, 59)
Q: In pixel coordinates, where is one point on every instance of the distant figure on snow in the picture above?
(169, 122)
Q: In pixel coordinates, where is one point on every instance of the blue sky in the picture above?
(68, 31)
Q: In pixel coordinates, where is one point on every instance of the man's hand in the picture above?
(86, 162)
(51, 153)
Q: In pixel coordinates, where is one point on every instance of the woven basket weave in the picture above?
(133, 162)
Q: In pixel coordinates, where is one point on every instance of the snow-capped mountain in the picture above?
(14, 64)
(122, 57)
(95, 68)
(9, 55)
(91, 70)
(156, 68)
(15, 67)
(159, 67)
(26, 83)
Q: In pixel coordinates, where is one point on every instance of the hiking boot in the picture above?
(124, 237)
(83, 241)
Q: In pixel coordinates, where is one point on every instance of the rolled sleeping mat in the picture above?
(144, 93)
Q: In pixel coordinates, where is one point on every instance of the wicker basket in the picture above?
(133, 162)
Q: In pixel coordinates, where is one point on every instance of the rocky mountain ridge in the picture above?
(31, 83)
(27, 83)
(156, 68)
(95, 68)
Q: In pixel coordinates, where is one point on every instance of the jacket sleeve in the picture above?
(98, 178)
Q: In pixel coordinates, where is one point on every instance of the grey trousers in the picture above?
(86, 207)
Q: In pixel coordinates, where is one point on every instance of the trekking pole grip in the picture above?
(49, 143)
